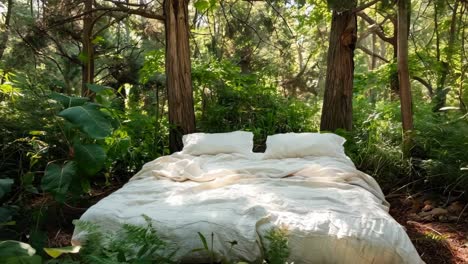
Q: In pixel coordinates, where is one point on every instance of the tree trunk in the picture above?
(403, 74)
(6, 29)
(337, 111)
(463, 68)
(178, 72)
(441, 91)
(394, 82)
(87, 66)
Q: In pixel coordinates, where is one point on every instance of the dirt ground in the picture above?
(439, 238)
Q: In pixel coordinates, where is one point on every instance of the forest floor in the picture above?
(439, 233)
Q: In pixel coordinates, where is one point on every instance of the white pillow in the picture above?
(298, 145)
(211, 144)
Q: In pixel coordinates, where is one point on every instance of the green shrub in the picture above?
(228, 100)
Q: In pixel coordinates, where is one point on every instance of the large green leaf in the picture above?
(68, 101)
(57, 178)
(5, 186)
(104, 95)
(89, 119)
(90, 158)
(57, 252)
(15, 252)
(9, 248)
(100, 89)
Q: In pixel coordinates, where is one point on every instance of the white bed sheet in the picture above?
(333, 213)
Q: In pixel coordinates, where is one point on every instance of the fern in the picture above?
(131, 244)
(278, 251)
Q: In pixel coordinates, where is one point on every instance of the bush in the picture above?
(228, 100)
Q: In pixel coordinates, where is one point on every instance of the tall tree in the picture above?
(87, 50)
(441, 91)
(337, 111)
(178, 72)
(4, 35)
(403, 73)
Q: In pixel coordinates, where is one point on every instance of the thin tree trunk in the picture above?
(87, 52)
(436, 31)
(394, 82)
(403, 74)
(337, 110)
(178, 72)
(441, 91)
(461, 102)
(6, 29)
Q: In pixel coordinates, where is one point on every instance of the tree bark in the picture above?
(6, 29)
(403, 74)
(441, 91)
(87, 65)
(178, 72)
(337, 110)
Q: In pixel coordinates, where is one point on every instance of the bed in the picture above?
(332, 212)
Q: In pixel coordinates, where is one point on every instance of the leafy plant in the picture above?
(278, 250)
(131, 244)
(228, 100)
(15, 252)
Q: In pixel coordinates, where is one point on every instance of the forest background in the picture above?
(92, 90)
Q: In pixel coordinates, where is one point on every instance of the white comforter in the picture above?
(332, 212)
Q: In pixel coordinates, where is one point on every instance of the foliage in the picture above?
(65, 145)
(229, 100)
(278, 251)
(15, 252)
(257, 66)
(131, 244)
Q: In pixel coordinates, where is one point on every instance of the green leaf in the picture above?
(83, 57)
(98, 40)
(5, 215)
(85, 185)
(5, 186)
(57, 252)
(100, 89)
(23, 260)
(203, 239)
(68, 101)
(11, 248)
(90, 158)
(57, 178)
(202, 5)
(37, 133)
(89, 119)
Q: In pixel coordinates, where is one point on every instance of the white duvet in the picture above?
(332, 212)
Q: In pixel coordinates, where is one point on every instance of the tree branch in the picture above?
(425, 83)
(370, 53)
(379, 29)
(123, 9)
(364, 6)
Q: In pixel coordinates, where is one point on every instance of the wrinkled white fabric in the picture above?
(298, 145)
(215, 143)
(333, 213)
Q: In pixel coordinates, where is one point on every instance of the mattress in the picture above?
(330, 211)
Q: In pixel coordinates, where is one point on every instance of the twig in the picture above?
(459, 216)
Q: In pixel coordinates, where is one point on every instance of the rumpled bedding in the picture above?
(332, 212)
